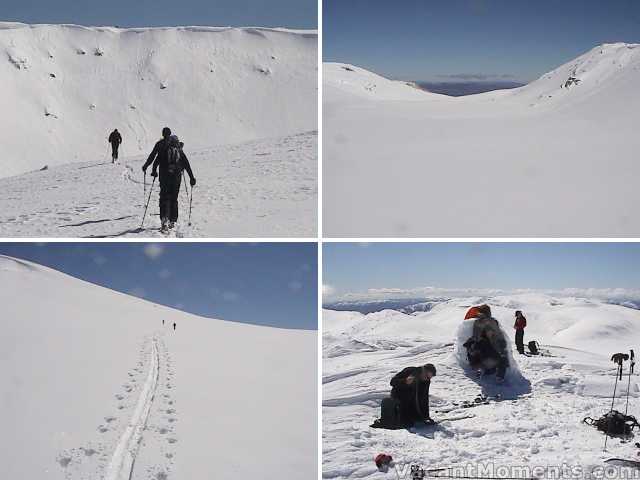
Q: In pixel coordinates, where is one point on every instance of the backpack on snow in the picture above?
(534, 347)
(390, 417)
(614, 423)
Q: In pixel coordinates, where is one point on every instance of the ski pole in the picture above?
(144, 194)
(147, 205)
(631, 365)
(184, 180)
(615, 386)
(190, 204)
(618, 359)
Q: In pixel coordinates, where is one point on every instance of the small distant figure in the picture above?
(115, 139)
(163, 321)
(519, 326)
(174, 326)
(167, 156)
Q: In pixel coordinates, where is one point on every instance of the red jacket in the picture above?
(521, 322)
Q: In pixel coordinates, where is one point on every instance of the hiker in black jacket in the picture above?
(115, 139)
(168, 157)
(411, 389)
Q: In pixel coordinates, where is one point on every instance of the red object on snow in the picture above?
(383, 459)
(478, 311)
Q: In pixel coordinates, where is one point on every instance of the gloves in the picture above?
(154, 173)
(192, 181)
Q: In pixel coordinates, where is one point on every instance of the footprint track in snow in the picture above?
(122, 461)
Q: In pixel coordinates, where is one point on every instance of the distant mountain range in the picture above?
(460, 89)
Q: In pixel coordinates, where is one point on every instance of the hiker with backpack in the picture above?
(519, 326)
(169, 158)
(487, 347)
(409, 400)
(115, 139)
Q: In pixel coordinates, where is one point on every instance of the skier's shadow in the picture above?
(120, 234)
(91, 222)
(429, 431)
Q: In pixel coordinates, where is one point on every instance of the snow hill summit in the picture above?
(242, 100)
(97, 384)
(447, 389)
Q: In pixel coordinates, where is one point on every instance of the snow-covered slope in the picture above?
(262, 188)
(538, 422)
(553, 158)
(65, 87)
(93, 386)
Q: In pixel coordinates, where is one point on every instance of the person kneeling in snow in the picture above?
(487, 348)
(409, 401)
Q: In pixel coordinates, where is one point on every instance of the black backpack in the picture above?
(390, 417)
(174, 163)
(534, 347)
(614, 423)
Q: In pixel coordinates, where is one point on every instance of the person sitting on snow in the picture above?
(487, 348)
(410, 387)
(409, 400)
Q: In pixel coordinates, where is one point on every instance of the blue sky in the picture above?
(143, 13)
(435, 40)
(268, 284)
(355, 268)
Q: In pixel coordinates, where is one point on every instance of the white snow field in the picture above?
(260, 188)
(537, 423)
(244, 101)
(557, 157)
(93, 386)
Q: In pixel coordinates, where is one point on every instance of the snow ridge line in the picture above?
(123, 459)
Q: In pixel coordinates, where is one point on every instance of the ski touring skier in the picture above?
(409, 400)
(487, 347)
(169, 159)
(115, 139)
(174, 326)
(519, 326)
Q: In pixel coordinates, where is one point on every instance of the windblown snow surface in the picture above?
(536, 424)
(244, 101)
(93, 386)
(556, 157)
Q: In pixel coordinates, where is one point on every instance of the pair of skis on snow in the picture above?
(476, 402)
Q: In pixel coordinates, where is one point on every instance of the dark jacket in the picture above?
(115, 137)
(160, 160)
(414, 398)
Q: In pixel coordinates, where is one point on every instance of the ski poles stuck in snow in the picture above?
(618, 359)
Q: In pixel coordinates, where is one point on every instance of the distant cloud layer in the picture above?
(609, 294)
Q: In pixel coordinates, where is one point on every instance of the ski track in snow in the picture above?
(144, 445)
(123, 460)
(259, 188)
